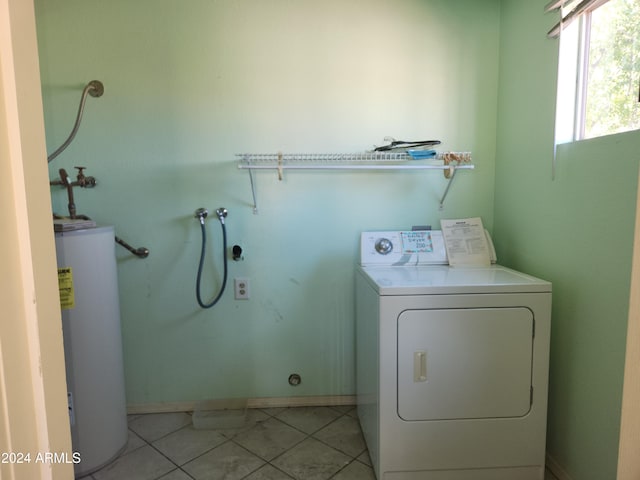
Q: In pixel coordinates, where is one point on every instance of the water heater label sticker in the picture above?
(65, 286)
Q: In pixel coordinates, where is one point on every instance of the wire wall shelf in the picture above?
(449, 163)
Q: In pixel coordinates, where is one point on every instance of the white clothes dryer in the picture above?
(452, 364)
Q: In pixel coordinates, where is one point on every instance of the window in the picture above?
(599, 74)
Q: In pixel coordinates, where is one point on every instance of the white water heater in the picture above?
(92, 345)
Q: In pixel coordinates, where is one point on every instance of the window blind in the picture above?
(570, 10)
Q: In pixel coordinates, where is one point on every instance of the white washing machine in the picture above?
(452, 363)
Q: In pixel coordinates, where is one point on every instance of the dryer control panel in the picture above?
(419, 247)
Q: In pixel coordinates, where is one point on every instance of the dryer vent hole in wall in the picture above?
(241, 288)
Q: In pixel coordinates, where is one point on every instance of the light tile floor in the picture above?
(310, 443)
(303, 443)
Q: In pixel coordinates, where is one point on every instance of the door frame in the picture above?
(33, 400)
(628, 459)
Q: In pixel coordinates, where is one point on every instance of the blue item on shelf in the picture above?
(420, 154)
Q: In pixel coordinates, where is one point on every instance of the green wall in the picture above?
(576, 231)
(190, 84)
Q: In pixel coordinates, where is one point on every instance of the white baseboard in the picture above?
(316, 401)
(266, 402)
(556, 468)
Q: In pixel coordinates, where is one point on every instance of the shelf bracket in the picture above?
(453, 171)
(253, 192)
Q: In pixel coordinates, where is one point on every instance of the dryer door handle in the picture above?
(420, 366)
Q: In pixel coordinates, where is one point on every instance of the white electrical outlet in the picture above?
(241, 288)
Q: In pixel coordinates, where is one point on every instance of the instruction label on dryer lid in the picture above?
(416, 242)
(465, 242)
(65, 287)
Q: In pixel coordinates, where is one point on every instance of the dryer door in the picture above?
(464, 363)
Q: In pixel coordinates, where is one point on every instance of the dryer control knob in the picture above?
(383, 246)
